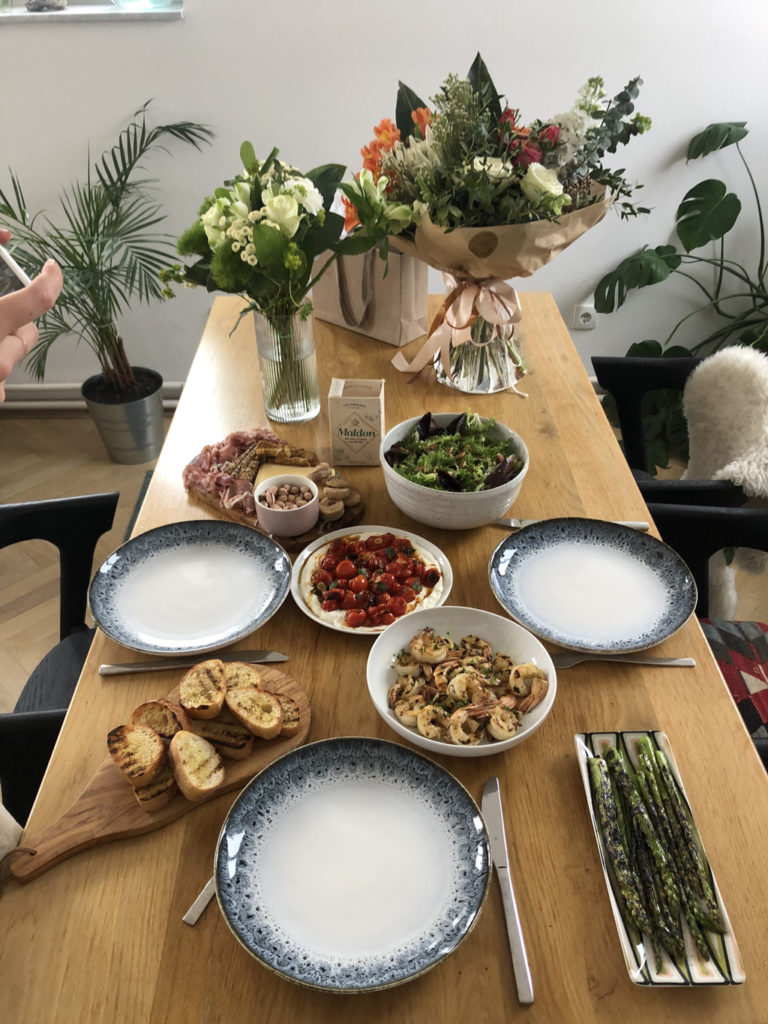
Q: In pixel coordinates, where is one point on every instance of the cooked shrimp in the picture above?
(407, 710)
(406, 665)
(502, 723)
(501, 667)
(465, 727)
(428, 647)
(406, 686)
(468, 685)
(444, 671)
(522, 678)
(432, 721)
(475, 646)
(538, 690)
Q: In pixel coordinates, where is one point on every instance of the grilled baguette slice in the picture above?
(228, 734)
(159, 792)
(291, 714)
(165, 717)
(240, 673)
(138, 752)
(197, 767)
(202, 689)
(257, 709)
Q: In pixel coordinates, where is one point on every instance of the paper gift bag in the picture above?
(355, 293)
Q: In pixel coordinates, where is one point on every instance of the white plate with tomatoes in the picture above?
(361, 580)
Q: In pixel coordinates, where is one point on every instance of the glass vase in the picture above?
(490, 361)
(286, 347)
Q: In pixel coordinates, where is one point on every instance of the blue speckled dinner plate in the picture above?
(190, 587)
(352, 864)
(590, 585)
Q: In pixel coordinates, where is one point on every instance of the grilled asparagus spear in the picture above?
(607, 817)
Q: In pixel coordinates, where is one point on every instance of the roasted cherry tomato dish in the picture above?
(372, 578)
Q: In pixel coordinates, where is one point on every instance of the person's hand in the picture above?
(18, 310)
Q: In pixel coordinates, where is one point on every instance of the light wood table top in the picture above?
(99, 937)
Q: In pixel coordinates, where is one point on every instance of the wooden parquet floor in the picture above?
(48, 455)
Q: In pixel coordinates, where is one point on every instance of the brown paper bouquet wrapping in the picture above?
(481, 311)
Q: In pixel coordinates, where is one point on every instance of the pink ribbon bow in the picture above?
(493, 300)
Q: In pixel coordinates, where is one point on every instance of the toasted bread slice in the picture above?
(165, 717)
(159, 792)
(291, 714)
(138, 752)
(202, 689)
(197, 767)
(240, 673)
(228, 734)
(257, 709)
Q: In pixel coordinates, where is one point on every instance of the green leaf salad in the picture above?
(466, 455)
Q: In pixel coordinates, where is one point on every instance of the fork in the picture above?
(567, 659)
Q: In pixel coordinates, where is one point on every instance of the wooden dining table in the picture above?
(99, 936)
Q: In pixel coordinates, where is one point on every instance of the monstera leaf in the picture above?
(706, 213)
(716, 136)
(649, 266)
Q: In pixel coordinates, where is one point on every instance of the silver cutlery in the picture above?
(567, 659)
(262, 657)
(518, 524)
(192, 916)
(494, 823)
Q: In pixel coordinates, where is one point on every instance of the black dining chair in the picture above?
(697, 518)
(28, 734)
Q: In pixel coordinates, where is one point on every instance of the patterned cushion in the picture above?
(741, 651)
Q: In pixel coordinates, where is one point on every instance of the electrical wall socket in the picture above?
(584, 317)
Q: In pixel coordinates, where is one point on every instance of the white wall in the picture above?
(314, 77)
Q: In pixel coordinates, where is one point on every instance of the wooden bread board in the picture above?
(107, 809)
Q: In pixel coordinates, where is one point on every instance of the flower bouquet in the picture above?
(258, 236)
(491, 198)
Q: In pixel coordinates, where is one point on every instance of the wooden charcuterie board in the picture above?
(351, 517)
(107, 810)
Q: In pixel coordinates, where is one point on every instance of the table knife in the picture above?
(518, 524)
(494, 823)
(167, 663)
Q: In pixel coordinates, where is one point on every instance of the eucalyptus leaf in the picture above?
(708, 211)
(716, 136)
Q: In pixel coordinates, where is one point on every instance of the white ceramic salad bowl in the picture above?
(444, 509)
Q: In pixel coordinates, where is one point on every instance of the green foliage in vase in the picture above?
(728, 290)
(260, 232)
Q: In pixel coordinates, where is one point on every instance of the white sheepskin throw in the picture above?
(726, 405)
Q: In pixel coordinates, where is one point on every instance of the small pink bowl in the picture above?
(287, 522)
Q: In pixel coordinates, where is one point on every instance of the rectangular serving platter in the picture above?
(724, 966)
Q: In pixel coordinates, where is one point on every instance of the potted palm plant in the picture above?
(111, 253)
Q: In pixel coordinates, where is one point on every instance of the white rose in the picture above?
(494, 167)
(283, 211)
(540, 182)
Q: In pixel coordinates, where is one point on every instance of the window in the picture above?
(92, 10)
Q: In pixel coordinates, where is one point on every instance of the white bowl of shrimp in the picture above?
(461, 682)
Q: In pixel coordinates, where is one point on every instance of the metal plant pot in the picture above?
(133, 431)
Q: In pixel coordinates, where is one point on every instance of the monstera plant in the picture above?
(731, 294)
